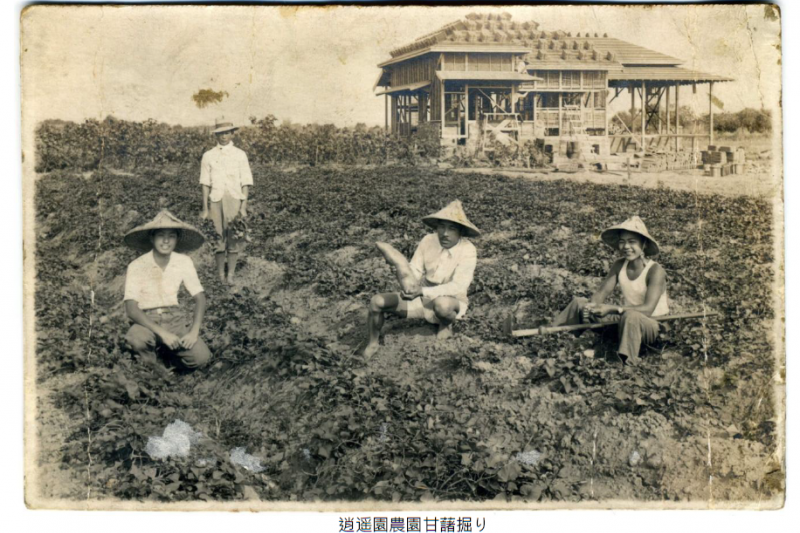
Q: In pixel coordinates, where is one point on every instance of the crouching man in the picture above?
(152, 283)
(444, 263)
(642, 282)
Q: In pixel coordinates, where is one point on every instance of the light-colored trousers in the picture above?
(144, 342)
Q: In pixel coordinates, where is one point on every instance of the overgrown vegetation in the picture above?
(423, 420)
(121, 144)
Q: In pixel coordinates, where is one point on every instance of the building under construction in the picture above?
(487, 79)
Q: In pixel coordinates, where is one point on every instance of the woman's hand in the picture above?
(204, 213)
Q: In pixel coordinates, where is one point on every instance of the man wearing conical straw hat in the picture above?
(226, 179)
(151, 293)
(643, 284)
(443, 266)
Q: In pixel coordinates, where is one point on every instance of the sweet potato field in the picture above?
(478, 417)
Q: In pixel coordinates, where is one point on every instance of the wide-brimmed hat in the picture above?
(221, 126)
(453, 212)
(139, 237)
(634, 224)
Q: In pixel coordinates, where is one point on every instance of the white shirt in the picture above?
(443, 271)
(152, 287)
(635, 291)
(225, 169)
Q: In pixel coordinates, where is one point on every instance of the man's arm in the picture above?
(138, 317)
(608, 284)
(206, 191)
(459, 284)
(205, 182)
(245, 191)
(188, 340)
(656, 285)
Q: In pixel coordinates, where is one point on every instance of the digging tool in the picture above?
(508, 325)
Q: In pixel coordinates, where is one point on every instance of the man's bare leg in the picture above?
(220, 259)
(446, 310)
(380, 304)
(232, 258)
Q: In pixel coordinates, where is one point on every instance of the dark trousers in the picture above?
(633, 328)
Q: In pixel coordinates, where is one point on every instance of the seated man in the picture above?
(151, 292)
(643, 284)
(444, 263)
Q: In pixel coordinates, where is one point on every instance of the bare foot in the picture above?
(371, 350)
(445, 332)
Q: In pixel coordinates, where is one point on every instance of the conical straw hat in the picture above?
(453, 212)
(139, 237)
(634, 225)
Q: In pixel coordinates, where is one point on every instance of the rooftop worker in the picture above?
(643, 284)
(226, 180)
(151, 292)
(444, 263)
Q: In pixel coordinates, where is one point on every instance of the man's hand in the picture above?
(172, 341)
(189, 340)
(601, 310)
(411, 295)
(204, 213)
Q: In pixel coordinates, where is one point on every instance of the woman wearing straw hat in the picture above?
(444, 263)
(643, 284)
(226, 180)
(152, 283)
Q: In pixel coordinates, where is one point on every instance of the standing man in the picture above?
(226, 180)
(152, 283)
(444, 263)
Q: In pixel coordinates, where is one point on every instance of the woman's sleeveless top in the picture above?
(634, 291)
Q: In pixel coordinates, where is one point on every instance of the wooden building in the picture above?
(487, 79)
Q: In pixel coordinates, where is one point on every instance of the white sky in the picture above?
(319, 64)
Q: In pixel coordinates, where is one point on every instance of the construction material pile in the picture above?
(723, 161)
(659, 161)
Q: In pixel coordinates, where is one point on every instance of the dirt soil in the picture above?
(435, 419)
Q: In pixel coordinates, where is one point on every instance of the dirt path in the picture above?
(759, 184)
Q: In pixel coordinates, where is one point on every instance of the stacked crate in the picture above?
(668, 161)
(723, 161)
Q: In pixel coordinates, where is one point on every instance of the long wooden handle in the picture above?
(544, 330)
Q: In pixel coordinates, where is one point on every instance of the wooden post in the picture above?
(677, 118)
(560, 122)
(466, 109)
(644, 112)
(711, 112)
(632, 89)
(668, 111)
(633, 103)
(386, 113)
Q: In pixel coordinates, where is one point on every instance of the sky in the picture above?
(318, 64)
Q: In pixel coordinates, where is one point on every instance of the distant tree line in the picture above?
(129, 145)
(748, 119)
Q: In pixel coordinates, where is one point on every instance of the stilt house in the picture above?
(488, 79)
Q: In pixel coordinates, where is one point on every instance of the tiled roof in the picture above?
(550, 49)
(663, 74)
(631, 54)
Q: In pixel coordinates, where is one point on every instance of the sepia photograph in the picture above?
(374, 258)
